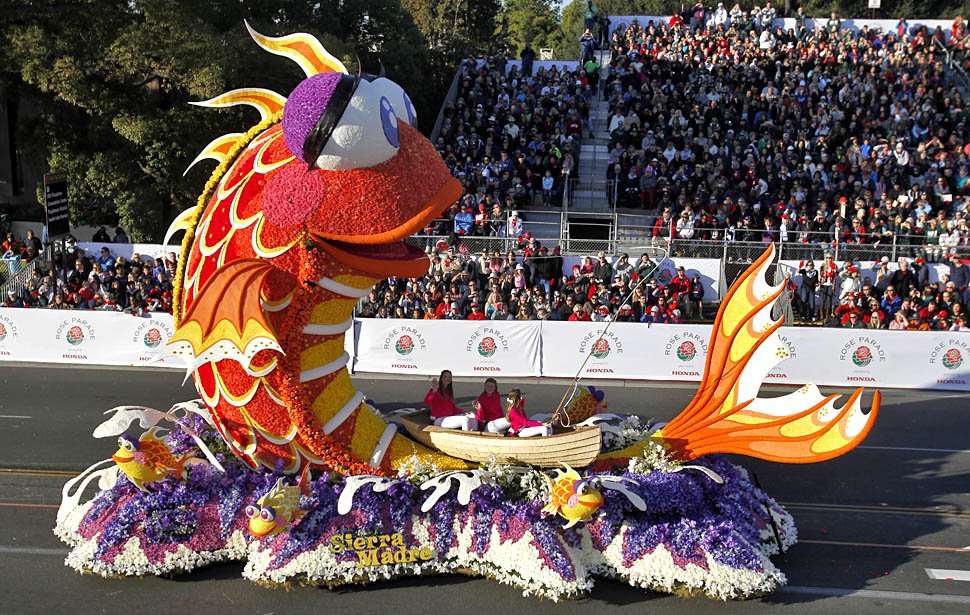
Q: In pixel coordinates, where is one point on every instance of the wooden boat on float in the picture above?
(577, 446)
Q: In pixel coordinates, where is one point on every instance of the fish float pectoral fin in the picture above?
(227, 320)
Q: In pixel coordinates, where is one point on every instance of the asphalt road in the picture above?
(873, 524)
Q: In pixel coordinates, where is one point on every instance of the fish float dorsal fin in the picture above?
(181, 222)
(267, 102)
(303, 49)
(569, 473)
(227, 320)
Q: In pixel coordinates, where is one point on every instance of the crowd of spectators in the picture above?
(735, 130)
(107, 282)
(503, 286)
(903, 295)
(513, 139)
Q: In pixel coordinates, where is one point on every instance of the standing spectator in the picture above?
(827, 277)
(833, 25)
(696, 298)
(959, 272)
(101, 236)
(602, 270)
(120, 236)
(528, 56)
(587, 43)
(33, 242)
(806, 290)
(589, 16)
(903, 279)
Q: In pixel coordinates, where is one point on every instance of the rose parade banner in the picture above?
(628, 351)
(467, 348)
(85, 338)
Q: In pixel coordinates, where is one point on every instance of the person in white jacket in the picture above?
(720, 16)
(685, 226)
(851, 282)
(514, 226)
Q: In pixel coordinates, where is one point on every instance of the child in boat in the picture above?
(444, 412)
(488, 409)
(520, 424)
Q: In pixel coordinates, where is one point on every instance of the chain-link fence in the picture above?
(591, 233)
(17, 274)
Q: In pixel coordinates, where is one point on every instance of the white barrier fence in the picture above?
(830, 357)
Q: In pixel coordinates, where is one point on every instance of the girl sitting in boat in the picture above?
(488, 409)
(520, 424)
(444, 412)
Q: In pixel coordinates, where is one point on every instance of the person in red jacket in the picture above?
(579, 314)
(444, 412)
(488, 409)
(521, 426)
(476, 313)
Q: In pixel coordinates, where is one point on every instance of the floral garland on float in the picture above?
(284, 465)
(663, 525)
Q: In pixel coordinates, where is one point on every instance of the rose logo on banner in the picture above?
(8, 330)
(152, 338)
(862, 356)
(664, 276)
(404, 345)
(486, 342)
(151, 335)
(75, 331)
(75, 335)
(862, 351)
(950, 356)
(601, 345)
(405, 340)
(687, 346)
(487, 347)
(952, 359)
(686, 351)
(601, 349)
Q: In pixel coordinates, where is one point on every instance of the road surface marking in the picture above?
(948, 575)
(886, 510)
(30, 472)
(14, 416)
(840, 543)
(914, 449)
(837, 592)
(26, 505)
(33, 551)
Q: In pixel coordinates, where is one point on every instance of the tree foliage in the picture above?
(534, 22)
(111, 81)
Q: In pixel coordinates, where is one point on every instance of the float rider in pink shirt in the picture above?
(520, 424)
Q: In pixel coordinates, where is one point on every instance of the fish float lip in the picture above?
(119, 459)
(260, 534)
(385, 253)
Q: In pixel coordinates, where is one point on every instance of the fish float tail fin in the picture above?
(183, 462)
(552, 507)
(304, 481)
(727, 416)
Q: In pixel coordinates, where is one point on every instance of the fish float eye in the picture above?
(389, 123)
(409, 109)
(252, 511)
(267, 514)
(126, 444)
(582, 488)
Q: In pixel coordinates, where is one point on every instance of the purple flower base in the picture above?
(694, 533)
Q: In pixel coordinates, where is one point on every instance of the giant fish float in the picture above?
(309, 209)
